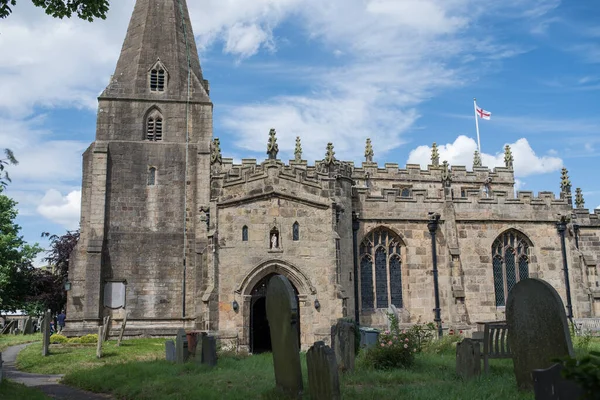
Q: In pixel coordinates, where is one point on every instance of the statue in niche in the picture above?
(274, 239)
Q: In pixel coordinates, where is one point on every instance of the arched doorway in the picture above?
(260, 336)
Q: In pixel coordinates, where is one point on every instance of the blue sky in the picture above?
(402, 72)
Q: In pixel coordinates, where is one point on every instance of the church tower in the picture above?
(144, 178)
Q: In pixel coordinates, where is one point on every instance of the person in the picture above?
(61, 321)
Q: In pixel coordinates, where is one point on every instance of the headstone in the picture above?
(208, 353)
(181, 347)
(342, 341)
(1, 372)
(538, 329)
(9, 327)
(323, 377)
(468, 359)
(99, 344)
(46, 334)
(548, 384)
(170, 350)
(106, 328)
(122, 330)
(282, 314)
(28, 326)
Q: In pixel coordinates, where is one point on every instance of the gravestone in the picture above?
(208, 350)
(548, 384)
(170, 350)
(468, 359)
(282, 315)
(181, 347)
(99, 343)
(342, 342)
(538, 329)
(46, 333)
(1, 371)
(122, 330)
(323, 377)
(106, 328)
(28, 326)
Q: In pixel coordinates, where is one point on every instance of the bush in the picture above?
(423, 334)
(395, 348)
(92, 338)
(58, 339)
(586, 372)
(74, 340)
(445, 344)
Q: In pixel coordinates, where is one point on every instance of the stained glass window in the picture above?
(245, 234)
(396, 281)
(366, 282)
(510, 263)
(296, 231)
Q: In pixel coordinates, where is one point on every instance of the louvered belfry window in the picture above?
(154, 127)
(510, 263)
(381, 259)
(157, 80)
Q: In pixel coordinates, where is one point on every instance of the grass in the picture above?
(14, 391)
(13, 340)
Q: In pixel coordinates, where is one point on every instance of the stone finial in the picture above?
(215, 152)
(435, 155)
(298, 150)
(272, 146)
(369, 151)
(508, 157)
(579, 202)
(565, 182)
(330, 154)
(476, 159)
(446, 176)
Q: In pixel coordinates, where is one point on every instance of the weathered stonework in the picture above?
(179, 242)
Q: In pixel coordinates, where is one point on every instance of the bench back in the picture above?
(495, 340)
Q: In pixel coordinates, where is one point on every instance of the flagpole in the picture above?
(476, 124)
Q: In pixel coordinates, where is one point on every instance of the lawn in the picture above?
(14, 391)
(12, 340)
(137, 370)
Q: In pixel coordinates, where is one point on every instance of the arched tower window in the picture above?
(154, 126)
(380, 257)
(296, 231)
(510, 263)
(157, 76)
(151, 176)
(245, 234)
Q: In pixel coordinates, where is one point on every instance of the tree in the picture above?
(4, 162)
(16, 258)
(84, 9)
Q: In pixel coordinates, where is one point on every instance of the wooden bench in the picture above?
(495, 342)
(587, 326)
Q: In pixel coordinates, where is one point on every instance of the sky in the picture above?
(401, 72)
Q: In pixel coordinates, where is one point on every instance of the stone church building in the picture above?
(175, 235)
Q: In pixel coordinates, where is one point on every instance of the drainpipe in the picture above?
(432, 225)
(355, 226)
(576, 230)
(561, 226)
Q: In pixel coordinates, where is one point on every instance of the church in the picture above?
(174, 235)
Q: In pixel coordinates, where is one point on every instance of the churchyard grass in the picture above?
(14, 391)
(13, 340)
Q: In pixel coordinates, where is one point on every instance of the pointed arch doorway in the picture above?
(260, 336)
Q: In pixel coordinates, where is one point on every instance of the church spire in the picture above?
(159, 59)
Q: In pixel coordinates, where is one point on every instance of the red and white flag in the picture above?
(482, 113)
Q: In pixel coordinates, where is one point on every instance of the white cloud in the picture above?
(460, 152)
(64, 210)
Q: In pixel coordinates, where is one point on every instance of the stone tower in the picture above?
(143, 177)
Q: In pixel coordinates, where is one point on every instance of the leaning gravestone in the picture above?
(468, 359)
(28, 326)
(99, 343)
(181, 347)
(282, 314)
(208, 350)
(537, 328)
(123, 325)
(548, 384)
(342, 342)
(323, 377)
(46, 334)
(170, 350)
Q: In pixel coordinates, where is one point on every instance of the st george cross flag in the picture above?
(482, 113)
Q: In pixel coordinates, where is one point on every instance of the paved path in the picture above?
(46, 383)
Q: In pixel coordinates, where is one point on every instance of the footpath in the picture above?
(46, 383)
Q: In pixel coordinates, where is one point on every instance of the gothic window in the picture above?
(245, 234)
(296, 231)
(380, 258)
(154, 126)
(157, 79)
(510, 263)
(151, 176)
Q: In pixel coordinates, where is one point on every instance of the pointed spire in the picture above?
(272, 146)
(579, 202)
(435, 155)
(476, 159)
(215, 152)
(330, 154)
(565, 182)
(298, 150)
(508, 157)
(160, 37)
(369, 151)
(446, 175)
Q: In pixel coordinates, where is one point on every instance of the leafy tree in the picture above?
(16, 258)
(4, 162)
(84, 9)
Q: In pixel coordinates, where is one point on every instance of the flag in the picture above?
(482, 113)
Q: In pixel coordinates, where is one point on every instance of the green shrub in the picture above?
(395, 348)
(92, 338)
(423, 334)
(58, 339)
(445, 344)
(74, 340)
(586, 372)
